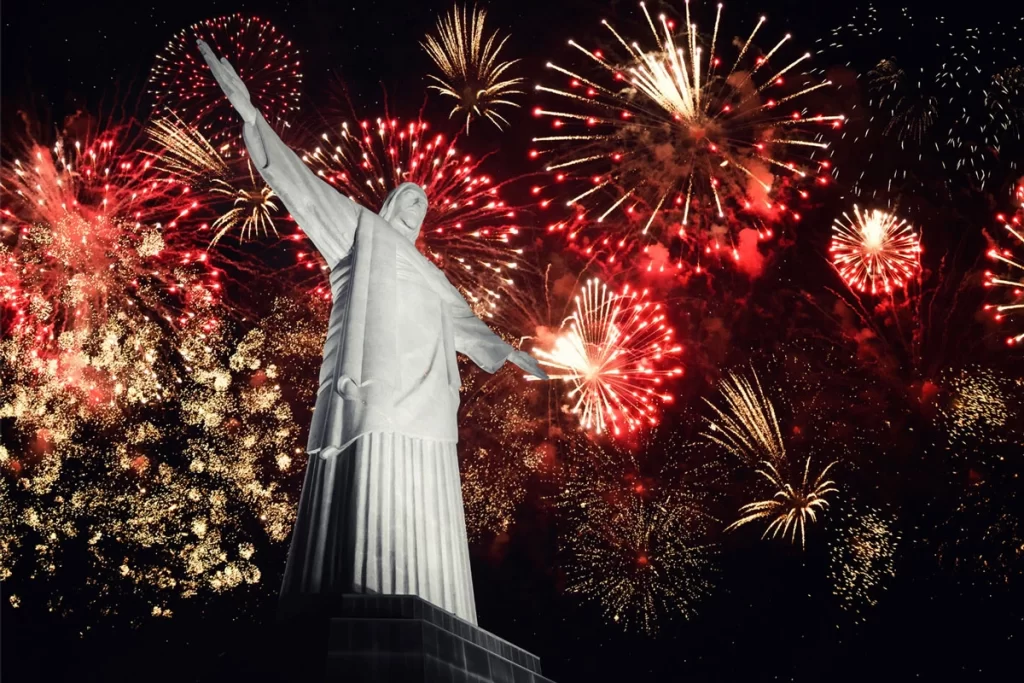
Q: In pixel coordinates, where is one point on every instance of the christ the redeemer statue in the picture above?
(381, 505)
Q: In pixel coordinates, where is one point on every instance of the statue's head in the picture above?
(405, 208)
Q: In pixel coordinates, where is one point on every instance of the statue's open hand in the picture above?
(230, 83)
(528, 363)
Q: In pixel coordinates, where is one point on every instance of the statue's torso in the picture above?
(425, 384)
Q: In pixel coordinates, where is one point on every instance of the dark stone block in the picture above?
(401, 639)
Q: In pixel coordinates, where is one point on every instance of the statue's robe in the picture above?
(381, 506)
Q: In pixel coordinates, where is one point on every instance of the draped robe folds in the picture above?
(381, 505)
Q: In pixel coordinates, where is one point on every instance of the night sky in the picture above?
(771, 615)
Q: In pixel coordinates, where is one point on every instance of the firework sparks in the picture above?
(748, 427)
(469, 229)
(861, 560)
(1010, 282)
(611, 350)
(792, 507)
(875, 251)
(262, 56)
(959, 112)
(640, 560)
(169, 501)
(471, 72)
(92, 260)
(664, 138)
(503, 449)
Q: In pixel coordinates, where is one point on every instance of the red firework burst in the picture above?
(669, 143)
(1008, 283)
(469, 230)
(268, 63)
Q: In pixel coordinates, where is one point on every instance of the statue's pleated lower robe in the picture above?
(381, 507)
(384, 516)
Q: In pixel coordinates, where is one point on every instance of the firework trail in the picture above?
(666, 142)
(97, 248)
(248, 203)
(469, 231)
(875, 251)
(268, 63)
(471, 72)
(612, 350)
(748, 427)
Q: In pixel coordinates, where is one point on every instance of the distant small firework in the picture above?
(660, 143)
(265, 60)
(503, 447)
(613, 350)
(875, 251)
(1009, 283)
(862, 560)
(471, 72)
(640, 560)
(469, 230)
(961, 112)
(594, 475)
(979, 407)
(748, 427)
(793, 506)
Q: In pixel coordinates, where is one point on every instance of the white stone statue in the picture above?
(381, 506)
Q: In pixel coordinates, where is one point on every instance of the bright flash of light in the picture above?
(670, 141)
(1009, 282)
(471, 71)
(469, 230)
(747, 427)
(792, 507)
(612, 350)
(875, 251)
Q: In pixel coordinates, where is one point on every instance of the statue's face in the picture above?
(410, 210)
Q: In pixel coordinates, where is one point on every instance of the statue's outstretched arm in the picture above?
(327, 217)
(477, 341)
(489, 351)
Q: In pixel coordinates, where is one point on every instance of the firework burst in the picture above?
(671, 142)
(793, 506)
(94, 251)
(961, 112)
(862, 560)
(188, 156)
(1009, 283)
(262, 56)
(471, 71)
(612, 350)
(875, 251)
(172, 500)
(469, 229)
(639, 560)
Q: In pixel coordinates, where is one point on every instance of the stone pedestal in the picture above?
(404, 639)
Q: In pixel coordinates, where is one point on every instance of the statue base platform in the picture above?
(405, 639)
